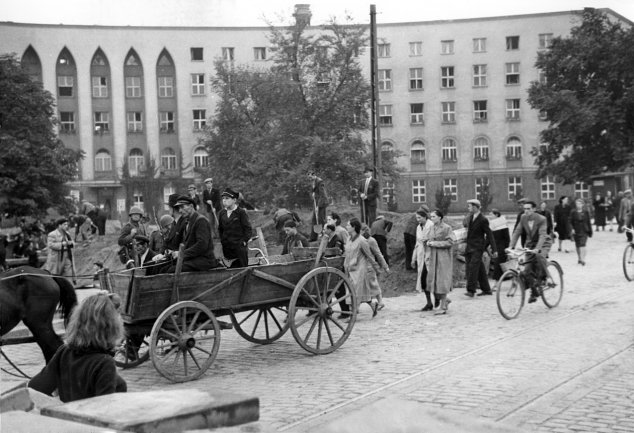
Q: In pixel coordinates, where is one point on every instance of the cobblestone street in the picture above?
(566, 369)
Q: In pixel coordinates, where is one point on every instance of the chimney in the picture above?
(302, 14)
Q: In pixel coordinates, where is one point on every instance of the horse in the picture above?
(32, 295)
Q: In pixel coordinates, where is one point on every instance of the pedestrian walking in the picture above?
(379, 230)
(581, 229)
(419, 258)
(479, 236)
(439, 261)
(320, 203)
(60, 250)
(562, 221)
(368, 192)
(373, 280)
(358, 262)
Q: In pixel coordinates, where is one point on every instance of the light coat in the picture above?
(420, 250)
(439, 259)
(58, 261)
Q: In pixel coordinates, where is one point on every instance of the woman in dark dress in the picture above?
(581, 229)
(562, 220)
(599, 211)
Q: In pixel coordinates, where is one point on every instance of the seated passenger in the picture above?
(293, 237)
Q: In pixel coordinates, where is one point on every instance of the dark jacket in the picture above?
(234, 229)
(126, 236)
(175, 235)
(319, 189)
(198, 250)
(373, 191)
(580, 223)
(79, 374)
(381, 227)
(479, 234)
(214, 196)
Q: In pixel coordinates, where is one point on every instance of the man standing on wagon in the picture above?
(235, 230)
(320, 203)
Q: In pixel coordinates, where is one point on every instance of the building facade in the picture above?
(452, 101)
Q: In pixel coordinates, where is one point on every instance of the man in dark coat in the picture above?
(293, 237)
(368, 193)
(212, 200)
(320, 202)
(198, 252)
(235, 230)
(479, 236)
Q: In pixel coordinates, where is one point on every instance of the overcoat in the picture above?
(440, 258)
(420, 250)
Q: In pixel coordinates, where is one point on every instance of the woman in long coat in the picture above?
(418, 257)
(562, 220)
(439, 259)
(599, 211)
(373, 280)
(358, 260)
(581, 229)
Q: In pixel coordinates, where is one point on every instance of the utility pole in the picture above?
(376, 133)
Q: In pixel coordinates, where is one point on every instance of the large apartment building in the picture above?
(452, 100)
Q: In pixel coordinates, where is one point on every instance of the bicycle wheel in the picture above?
(510, 295)
(553, 289)
(628, 262)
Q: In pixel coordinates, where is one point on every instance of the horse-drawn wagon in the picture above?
(172, 318)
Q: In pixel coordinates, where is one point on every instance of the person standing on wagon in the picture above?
(235, 230)
(320, 203)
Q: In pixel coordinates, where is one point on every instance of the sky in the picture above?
(258, 12)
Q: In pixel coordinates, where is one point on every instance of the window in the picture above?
(385, 115)
(137, 199)
(448, 112)
(135, 162)
(99, 87)
(513, 149)
(479, 111)
(446, 77)
(199, 119)
(512, 42)
(65, 85)
(387, 149)
(383, 50)
(479, 75)
(479, 45)
(582, 190)
(132, 60)
(449, 150)
(512, 109)
(450, 187)
(512, 73)
(102, 122)
(416, 116)
(198, 84)
(166, 121)
(548, 188)
(259, 53)
(385, 79)
(418, 191)
(168, 159)
(166, 87)
(514, 187)
(197, 54)
(446, 47)
(67, 122)
(480, 183)
(416, 48)
(388, 192)
(481, 149)
(167, 191)
(415, 78)
(133, 87)
(227, 53)
(103, 161)
(135, 121)
(545, 39)
(417, 152)
(201, 157)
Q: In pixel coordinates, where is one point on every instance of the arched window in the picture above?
(417, 152)
(168, 159)
(481, 149)
(513, 148)
(449, 150)
(135, 162)
(201, 157)
(103, 161)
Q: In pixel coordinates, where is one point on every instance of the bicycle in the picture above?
(628, 258)
(511, 287)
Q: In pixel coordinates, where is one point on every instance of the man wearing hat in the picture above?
(211, 198)
(293, 237)
(479, 236)
(234, 229)
(198, 250)
(192, 191)
(60, 244)
(368, 193)
(132, 228)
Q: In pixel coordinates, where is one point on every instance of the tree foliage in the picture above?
(34, 164)
(308, 111)
(588, 98)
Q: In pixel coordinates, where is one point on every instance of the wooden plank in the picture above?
(161, 411)
(29, 422)
(279, 281)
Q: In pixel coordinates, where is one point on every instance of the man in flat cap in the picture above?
(234, 229)
(213, 205)
(60, 244)
(479, 236)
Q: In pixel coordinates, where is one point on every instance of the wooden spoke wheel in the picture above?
(133, 350)
(184, 341)
(316, 319)
(262, 325)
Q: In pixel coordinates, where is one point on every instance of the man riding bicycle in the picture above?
(533, 225)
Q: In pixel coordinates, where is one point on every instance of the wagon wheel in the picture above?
(184, 341)
(315, 317)
(262, 325)
(133, 350)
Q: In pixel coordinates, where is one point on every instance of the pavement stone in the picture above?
(564, 369)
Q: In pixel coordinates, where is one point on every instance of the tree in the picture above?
(588, 98)
(309, 111)
(34, 164)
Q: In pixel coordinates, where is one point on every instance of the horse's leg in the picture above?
(44, 335)
(10, 310)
